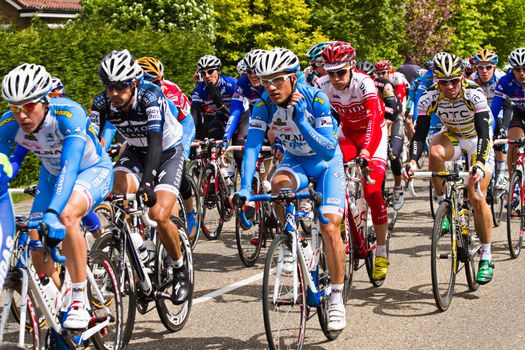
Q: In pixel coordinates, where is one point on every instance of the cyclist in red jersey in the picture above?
(397, 79)
(362, 132)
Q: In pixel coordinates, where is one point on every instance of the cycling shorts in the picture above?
(518, 119)
(169, 171)
(469, 146)
(93, 183)
(330, 175)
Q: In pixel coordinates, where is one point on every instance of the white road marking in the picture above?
(219, 292)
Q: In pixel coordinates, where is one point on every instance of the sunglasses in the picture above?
(118, 86)
(445, 82)
(519, 69)
(250, 71)
(340, 73)
(207, 72)
(26, 108)
(277, 82)
(382, 72)
(487, 67)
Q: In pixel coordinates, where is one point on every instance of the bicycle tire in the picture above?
(248, 252)
(515, 212)
(12, 326)
(350, 258)
(126, 276)
(370, 258)
(324, 280)
(212, 219)
(471, 246)
(433, 203)
(443, 237)
(292, 334)
(174, 321)
(104, 271)
(197, 208)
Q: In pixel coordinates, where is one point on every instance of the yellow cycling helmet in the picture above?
(153, 68)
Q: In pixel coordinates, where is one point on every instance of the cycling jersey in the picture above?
(7, 231)
(508, 87)
(401, 86)
(244, 97)
(466, 117)
(67, 145)
(386, 91)
(150, 112)
(201, 95)
(425, 82)
(308, 131)
(175, 95)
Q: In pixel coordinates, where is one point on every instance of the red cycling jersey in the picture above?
(175, 94)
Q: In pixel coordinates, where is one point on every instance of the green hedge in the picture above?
(74, 52)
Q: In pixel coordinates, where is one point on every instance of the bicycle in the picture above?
(213, 187)
(142, 281)
(263, 225)
(360, 237)
(452, 240)
(516, 202)
(292, 282)
(38, 292)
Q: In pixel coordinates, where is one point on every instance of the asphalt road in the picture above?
(227, 309)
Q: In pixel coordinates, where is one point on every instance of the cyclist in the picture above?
(486, 75)
(512, 86)
(397, 79)
(7, 224)
(210, 100)
(409, 68)
(75, 175)
(362, 132)
(315, 69)
(153, 70)
(301, 117)
(395, 119)
(462, 107)
(151, 165)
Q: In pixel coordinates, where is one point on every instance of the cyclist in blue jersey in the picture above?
(301, 117)
(211, 99)
(512, 86)
(7, 218)
(74, 177)
(151, 165)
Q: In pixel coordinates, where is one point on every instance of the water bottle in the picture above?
(49, 289)
(307, 251)
(267, 187)
(224, 174)
(138, 243)
(361, 212)
(464, 220)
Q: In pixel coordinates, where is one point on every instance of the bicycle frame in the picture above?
(50, 305)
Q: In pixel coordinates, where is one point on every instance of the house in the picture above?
(52, 12)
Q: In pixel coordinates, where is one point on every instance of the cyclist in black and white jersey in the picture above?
(462, 107)
(152, 164)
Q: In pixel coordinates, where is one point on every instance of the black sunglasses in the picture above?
(340, 73)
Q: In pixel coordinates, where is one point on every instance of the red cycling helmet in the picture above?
(383, 65)
(337, 55)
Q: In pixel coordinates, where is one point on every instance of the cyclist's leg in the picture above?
(516, 130)
(289, 174)
(128, 172)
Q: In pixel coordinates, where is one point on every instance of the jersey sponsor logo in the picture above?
(64, 113)
(324, 122)
(62, 178)
(258, 125)
(7, 120)
(320, 100)
(153, 113)
(279, 122)
(259, 104)
(102, 176)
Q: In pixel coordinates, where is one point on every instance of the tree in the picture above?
(163, 15)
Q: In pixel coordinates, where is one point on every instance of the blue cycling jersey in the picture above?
(201, 95)
(508, 87)
(65, 142)
(425, 82)
(151, 111)
(7, 230)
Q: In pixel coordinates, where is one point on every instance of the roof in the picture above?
(50, 5)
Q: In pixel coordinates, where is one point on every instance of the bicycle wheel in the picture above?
(11, 332)
(106, 279)
(471, 250)
(284, 315)
(249, 241)
(432, 201)
(515, 215)
(350, 257)
(496, 199)
(322, 310)
(173, 316)
(443, 257)
(111, 246)
(212, 211)
(369, 260)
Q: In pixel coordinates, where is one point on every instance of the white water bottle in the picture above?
(308, 253)
(138, 243)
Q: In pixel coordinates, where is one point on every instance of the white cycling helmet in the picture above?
(208, 62)
(241, 67)
(26, 83)
(251, 58)
(277, 61)
(517, 58)
(119, 66)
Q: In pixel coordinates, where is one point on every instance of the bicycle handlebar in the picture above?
(241, 148)
(55, 255)
(133, 197)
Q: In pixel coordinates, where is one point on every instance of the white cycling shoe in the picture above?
(336, 317)
(77, 317)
